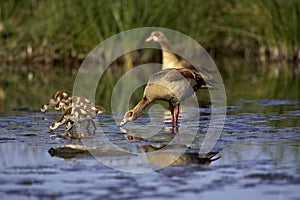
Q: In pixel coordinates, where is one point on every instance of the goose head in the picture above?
(44, 108)
(53, 126)
(156, 36)
(128, 117)
(99, 110)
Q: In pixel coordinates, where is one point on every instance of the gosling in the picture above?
(75, 115)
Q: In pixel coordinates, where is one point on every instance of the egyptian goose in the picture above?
(169, 60)
(162, 85)
(61, 95)
(75, 115)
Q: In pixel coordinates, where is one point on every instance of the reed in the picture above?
(270, 28)
(45, 31)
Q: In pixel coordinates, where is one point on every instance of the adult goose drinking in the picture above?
(170, 85)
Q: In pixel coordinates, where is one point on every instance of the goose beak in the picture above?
(123, 122)
(149, 39)
(212, 85)
(100, 112)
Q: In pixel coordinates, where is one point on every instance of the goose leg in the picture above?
(88, 124)
(90, 121)
(175, 129)
(69, 125)
(94, 126)
(78, 127)
(176, 114)
(171, 108)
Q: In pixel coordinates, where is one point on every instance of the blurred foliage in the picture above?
(23, 87)
(46, 31)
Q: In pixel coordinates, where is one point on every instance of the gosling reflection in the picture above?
(170, 155)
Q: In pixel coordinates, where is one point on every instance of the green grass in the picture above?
(56, 30)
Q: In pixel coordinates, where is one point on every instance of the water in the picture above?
(259, 146)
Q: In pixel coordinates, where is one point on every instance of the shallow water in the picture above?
(259, 148)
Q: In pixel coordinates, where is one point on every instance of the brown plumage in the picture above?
(171, 85)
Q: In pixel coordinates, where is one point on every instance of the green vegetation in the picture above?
(27, 88)
(55, 30)
(22, 86)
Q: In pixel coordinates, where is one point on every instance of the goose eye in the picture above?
(156, 34)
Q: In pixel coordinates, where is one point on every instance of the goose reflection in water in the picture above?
(160, 151)
(159, 155)
(169, 155)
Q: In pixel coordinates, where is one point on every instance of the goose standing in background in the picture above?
(172, 61)
(169, 59)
